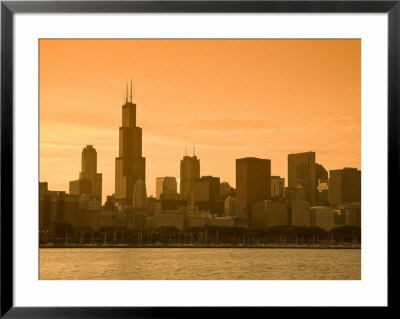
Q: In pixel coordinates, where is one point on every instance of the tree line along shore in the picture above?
(65, 235)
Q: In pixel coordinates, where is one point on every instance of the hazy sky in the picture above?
(228, 98)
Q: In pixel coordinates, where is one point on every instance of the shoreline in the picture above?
(207, 246)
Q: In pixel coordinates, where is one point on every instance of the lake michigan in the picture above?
(199, 264)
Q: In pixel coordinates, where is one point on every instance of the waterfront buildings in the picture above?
(89, 182)
(259, 200)
(301, 170)
(130, 165)
(344, 186)
(253, 181)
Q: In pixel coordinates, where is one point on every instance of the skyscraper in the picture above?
(190, 170)
(344, 186)
(89, 182)
(301, 170)
(299, 208)
(130, 166)
(253, 181)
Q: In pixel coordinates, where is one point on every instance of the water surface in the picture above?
(199, 263)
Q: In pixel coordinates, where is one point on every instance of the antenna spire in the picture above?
(131, 90)
(126, 93)
(194, 150)
(185, 151)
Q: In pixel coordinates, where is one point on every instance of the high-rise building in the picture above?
(130, 165)
(277, 186)
(344, 186)
(253, 181)
(301, 170)
(205, 192)
(299, 208)
(89, 182)
(190, 170)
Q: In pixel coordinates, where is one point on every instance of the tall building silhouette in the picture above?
(130, 165)
(190, 170)
(253, 181)
(89, 182)
(302, 170)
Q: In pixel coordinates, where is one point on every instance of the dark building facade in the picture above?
(56, 207)
(321, 174)
(253, 181)
(344, 186)
(80, 187)
(206, 191)
(130, 165)
(301, 171)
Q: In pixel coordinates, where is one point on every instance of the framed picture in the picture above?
(196, 154)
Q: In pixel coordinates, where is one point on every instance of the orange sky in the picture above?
(228, 98)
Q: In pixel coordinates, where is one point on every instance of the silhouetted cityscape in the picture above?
(314, 207)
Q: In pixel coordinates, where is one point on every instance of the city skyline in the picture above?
(201, 112)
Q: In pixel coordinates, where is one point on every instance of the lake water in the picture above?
(199, 263)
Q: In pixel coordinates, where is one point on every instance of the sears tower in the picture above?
(130, 166)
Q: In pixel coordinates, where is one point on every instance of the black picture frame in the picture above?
(9, 8)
